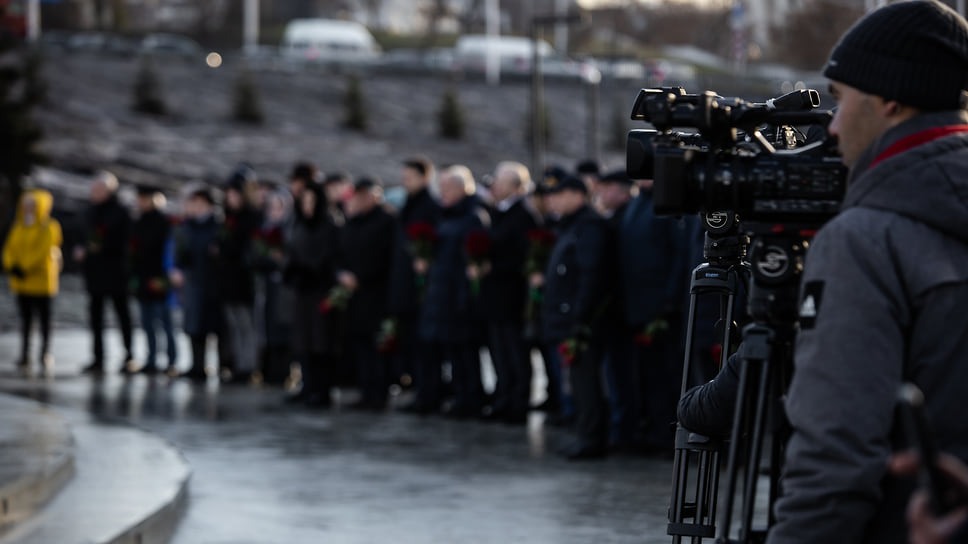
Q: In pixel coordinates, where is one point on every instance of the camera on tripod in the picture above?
(729, 164)
(764, 177)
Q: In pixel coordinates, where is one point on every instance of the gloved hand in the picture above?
(17, 272)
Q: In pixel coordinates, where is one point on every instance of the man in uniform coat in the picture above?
(575, 300)
(367, 243)
(105, 261)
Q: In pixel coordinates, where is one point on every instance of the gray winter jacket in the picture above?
(884, 300)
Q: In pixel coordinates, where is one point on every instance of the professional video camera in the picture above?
(729, 164)
(761, 200)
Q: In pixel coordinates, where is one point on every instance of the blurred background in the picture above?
(167, 92)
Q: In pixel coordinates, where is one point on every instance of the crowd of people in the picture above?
(323, 281)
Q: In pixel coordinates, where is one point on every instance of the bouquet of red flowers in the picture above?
(264, 241)
(422, 237)
(336, 299)
(540, 244)
(386, 339)
(477, 248)
(650, 332)
(570, 349)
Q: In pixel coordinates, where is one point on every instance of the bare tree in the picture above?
(810, 33)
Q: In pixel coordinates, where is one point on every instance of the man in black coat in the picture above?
(572, 311)
(367, 243)
(105, 261)
(150, 253)
(237, 275)
(405, 292)
(445, 319)
(621, 368)
(506, 288)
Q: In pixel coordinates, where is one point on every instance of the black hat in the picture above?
(366, 184)
(420, 164)
(143, 189)
(242, 175)
(305, 171)
(915, 52)
(336, 177)
(555, 172)
(204, 193)
(587, 166)
(617, 176)
(568, 183)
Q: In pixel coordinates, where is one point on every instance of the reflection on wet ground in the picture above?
(264, 471)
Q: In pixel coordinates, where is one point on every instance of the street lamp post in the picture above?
(537, 85)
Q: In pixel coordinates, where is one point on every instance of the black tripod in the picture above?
(692, 515)
(767, 363)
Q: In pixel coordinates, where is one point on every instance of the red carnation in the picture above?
(421, 231)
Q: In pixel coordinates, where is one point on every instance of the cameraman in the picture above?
(885, 281)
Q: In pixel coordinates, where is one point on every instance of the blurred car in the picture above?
(162, 44)
(329, 41)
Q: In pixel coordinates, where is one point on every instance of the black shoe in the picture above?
(584, 452)
(318, 401)
(546, 406)
(559, 420)
(95, 368)
(419, 409)
(194, 375)
(148, 370)
(515, 419)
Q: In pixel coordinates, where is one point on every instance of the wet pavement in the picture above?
(264, 472)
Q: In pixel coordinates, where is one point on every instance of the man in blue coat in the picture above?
(445, 319)
(655, 255)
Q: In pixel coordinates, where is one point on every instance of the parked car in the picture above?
(328, 40)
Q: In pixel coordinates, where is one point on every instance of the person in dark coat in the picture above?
(273, 312)
(621, 368)
(572, 311)
(303, 175)
(656, 259)
(310, 272)
(367, 248)
(105, 262)
(237, 276)
(196, 274)
(506, 288)
(558, 402)
(420, 208)
(446, 313)
(150, 248)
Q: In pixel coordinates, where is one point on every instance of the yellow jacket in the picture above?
(34, 248)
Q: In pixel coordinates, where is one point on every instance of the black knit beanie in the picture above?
(915, 52)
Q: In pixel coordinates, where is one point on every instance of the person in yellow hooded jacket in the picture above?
(32, 260)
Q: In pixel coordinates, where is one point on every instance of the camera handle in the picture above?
(693, 515)
(766, 366)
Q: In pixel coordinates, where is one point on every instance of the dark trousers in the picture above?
(512, 366)
(198, 354)
(624, 390)
(591, 408)
(154, 313)
(28, 306)
(559, 391)
(466, 377)
(96, 313)
(661, 375)
(317, 376)
(371, 370)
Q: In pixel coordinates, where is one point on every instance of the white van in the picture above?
(328, 40)
(515, 52)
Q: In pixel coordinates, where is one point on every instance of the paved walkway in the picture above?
(266, 472)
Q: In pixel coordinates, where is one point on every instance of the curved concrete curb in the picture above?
(130, 487)
(39, 443)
